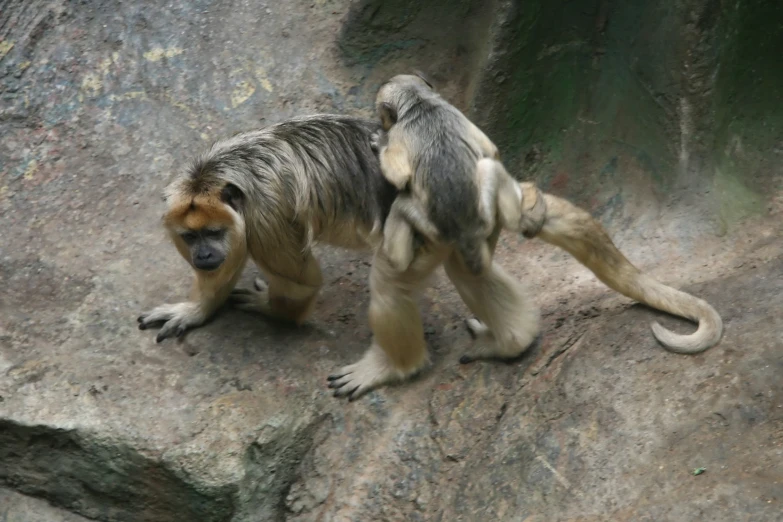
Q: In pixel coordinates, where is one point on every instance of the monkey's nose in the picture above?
(207, 261)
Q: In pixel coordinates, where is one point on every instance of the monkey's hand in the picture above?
(252, 299)
(176, 318)
(533, 210)
(375, 141)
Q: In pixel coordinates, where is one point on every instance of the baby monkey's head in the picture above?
(398, 95)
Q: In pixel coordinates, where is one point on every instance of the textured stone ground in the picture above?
(102, 100)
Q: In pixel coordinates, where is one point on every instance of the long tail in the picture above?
(576, 232)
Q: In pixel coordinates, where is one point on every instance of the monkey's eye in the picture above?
(189, 237)
(214, 233)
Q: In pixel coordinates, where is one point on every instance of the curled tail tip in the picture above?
(707, 336)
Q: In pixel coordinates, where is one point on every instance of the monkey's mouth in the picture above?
(207, 266)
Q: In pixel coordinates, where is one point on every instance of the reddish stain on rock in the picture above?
(560, 181)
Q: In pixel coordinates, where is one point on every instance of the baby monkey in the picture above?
(451, 182)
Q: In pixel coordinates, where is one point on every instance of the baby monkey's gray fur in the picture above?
(430, 151)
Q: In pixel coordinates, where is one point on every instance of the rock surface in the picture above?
(102, 101)
(19, 508)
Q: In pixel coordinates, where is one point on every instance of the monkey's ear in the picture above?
(388, 116)
(424, 78)
(232, 196)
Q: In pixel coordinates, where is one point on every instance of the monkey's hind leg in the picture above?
(508, 322)
(398, 350)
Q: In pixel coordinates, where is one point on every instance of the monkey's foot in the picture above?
(176, 318)
(373, 370)
(252, 300)
(488, 347)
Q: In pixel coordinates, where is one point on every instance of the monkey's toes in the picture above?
(342, 386)
(347, 383)
(170, 330)
(142, 320)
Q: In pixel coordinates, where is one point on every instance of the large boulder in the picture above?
(664, 120)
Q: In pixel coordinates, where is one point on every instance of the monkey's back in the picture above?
(310, 174)
(444, 169)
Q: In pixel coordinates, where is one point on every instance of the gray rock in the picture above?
(19, 508)
(103, 100)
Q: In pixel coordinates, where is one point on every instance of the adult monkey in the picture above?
(270, 194)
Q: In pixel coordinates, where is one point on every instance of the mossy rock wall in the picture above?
(603, 101)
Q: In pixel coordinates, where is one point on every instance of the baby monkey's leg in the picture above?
(519, 207)
(405, 215)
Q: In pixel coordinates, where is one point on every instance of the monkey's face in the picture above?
(207, 247)
(206, 228)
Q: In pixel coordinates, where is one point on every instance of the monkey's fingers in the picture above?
(145, 323)
(375, 141)
(172, 328)
(177, 319)
(164, 334)
(241, 294)
(533, 210)
(157, 316)
(250, 301)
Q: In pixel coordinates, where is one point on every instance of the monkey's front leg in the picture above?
(398, 349)
(209, 293)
